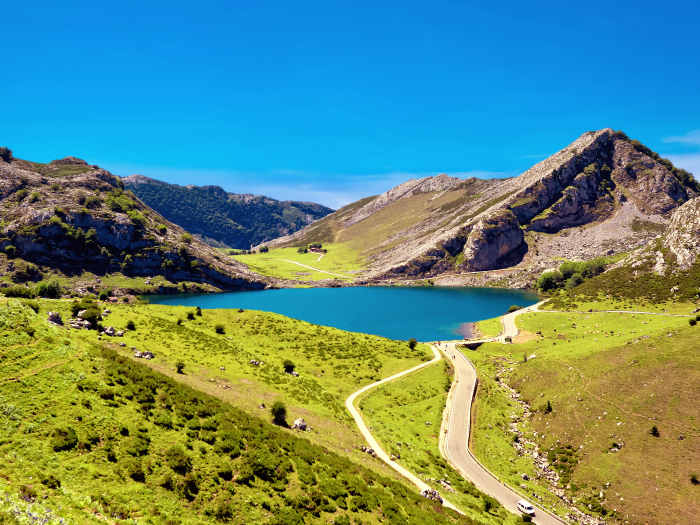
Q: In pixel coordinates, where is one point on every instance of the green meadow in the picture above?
(342, 261)
(89, 434)
(598, 383)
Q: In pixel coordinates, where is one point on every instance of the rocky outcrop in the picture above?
(682, 237)
(73, 217)
(494, 242)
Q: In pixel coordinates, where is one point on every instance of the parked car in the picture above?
(525, 507)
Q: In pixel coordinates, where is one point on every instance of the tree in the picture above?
(180, 367)
(412, 343)
(5, 154)
(190, 316)
(288, 366)
(220, 329)
(548, 408)
(264, 249)
(199, 311)
(279, 413)
(655, 431)
(514, 308)
(130, 325)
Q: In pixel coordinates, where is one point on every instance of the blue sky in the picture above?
(331, 101)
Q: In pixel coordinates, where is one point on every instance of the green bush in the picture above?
(190, 316)
(412, 343)
(130, 325)
(134, 469)
(10, 251)
(63, 438)
(288, 366)
(51, 290)
(19, 291)
(178, 460)
(186, 238)
(279, 413)
(180, 367)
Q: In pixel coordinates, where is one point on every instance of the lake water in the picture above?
(428, 313)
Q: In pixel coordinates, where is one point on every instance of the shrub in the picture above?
(220, 329)
(51, 481)
(93, 202)
(199, 311)
(26, 272)
(548, 408)
(180, 367)
(178, 460)
(264, 249)
(694, 479)
(162, 229)
(655, 431)
(186, 238)
(412, 343)
(11, 251)
(51, 290)
(63, 438)
(134, 470)
(34, 196)
(288, 366)
(692, 322)
(514, 308)
(19, 291)
(279, 413)
(190, 316)
(5, 154)
(27, 493)
(21, 194)
(130, 325)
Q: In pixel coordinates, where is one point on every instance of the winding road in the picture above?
(381, 453)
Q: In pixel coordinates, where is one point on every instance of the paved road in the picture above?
(454, 438)
(381, 453)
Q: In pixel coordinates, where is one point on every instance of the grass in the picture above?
(609, 379)
(153, 450)
(490, 327)
(405, 417)
(341, 259)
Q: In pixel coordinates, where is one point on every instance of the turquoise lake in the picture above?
(428, 313)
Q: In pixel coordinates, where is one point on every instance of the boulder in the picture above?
(299, 424)
(55, 318)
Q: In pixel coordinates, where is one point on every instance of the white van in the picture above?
(525, 507)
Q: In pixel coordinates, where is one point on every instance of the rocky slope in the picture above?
(219, 217)
(72, 217)
(603, 194)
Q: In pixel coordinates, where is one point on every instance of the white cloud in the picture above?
(692, 137)
(687, 161)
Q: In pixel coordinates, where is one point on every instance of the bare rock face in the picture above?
(683, 234)
(494, 242)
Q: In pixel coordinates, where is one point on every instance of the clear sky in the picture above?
(331, 101)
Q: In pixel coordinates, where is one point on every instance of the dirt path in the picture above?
(374, 444)
(317, 270)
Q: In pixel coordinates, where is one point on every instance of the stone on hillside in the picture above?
(299, 424)
(55, 318)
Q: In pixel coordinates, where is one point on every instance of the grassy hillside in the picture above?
(608, 379)
(235, 220)
(89, 435)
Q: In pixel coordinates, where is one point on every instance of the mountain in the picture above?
(666, 268)
(603, 194)
(71, 217)
(231, 219)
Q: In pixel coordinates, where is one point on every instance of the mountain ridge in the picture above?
(237, 220)
(602, 194)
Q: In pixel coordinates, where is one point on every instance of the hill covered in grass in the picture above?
(69, 217)
(90, 435)
(232, 219)
(604, 194)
